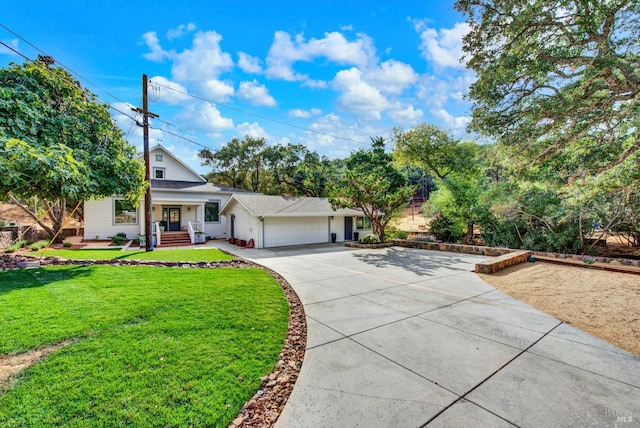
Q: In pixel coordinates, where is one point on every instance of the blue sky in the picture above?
(327, 74)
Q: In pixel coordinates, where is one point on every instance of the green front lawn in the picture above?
(153, 346)
(188, 255)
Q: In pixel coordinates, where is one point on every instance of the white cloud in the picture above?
(392, 76)
(304, 113)
(455, 123)
(346, 27)
(437, 91)
(358, 96)
(180, 31)
(157, 54)
(203, 117)
(132, 131)
(256, 94)
(285, 51)
(248, 63)
(407, 116)
(216, 90)
(443, 47)
(205, 59)
(167, 91)
(253, 130)
(6, 51)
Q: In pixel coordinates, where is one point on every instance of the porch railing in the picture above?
(156, 226)
(194, 228)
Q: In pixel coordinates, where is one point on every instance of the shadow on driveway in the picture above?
(420, 262)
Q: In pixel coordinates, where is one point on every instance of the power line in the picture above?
(106, 104)
(280, 122)
(58, 62)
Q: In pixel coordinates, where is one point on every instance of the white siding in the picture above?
(337, 227)
(174, 170)
(98, 224)
(281, 231)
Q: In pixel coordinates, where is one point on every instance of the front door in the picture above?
(172, 217)
(348, 228)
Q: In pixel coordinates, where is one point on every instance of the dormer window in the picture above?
(158, 158)
(159, 173)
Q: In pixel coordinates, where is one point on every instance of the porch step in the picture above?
(174, 238)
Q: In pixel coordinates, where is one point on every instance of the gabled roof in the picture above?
(286, 206)
(184, 165)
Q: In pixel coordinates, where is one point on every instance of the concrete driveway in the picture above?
(400, 337)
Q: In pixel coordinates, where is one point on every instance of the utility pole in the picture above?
(146, 114)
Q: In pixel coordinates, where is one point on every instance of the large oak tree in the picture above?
(59, 144)
(559, 86)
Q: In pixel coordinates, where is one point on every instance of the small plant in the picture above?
(371, 239)
(119, 238)
(16, 246)
(400, 234)
(66, 244)
(36, 246)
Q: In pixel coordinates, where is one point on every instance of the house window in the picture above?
(212, 212)
(158, 158)
(159, 173)
(363, 223)
(124, 212)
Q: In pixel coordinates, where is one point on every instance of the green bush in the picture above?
(36, 246)
(119, 238)
(371, 239)
(66, 244)
(445, 229)
(16, 246)
(400, 234)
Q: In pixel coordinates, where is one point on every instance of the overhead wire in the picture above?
(280, 122)
(156, 94)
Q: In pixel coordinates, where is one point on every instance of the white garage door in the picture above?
(295, 231)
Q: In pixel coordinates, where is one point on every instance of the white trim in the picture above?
(161, 147)
(113, 213)
(158, 168)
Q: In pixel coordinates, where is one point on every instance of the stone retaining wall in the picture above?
(453, 248)
(6, 239)
(502, 262)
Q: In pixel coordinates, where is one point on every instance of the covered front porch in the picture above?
(178, 223)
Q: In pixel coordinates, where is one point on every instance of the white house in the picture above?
(180, 197)
(184, 200)
(273, 221)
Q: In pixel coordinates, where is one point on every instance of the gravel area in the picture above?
(604, 304)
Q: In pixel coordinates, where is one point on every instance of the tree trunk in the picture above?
(468, 238)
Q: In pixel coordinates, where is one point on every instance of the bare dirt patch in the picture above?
(10, 365)
(604, 304)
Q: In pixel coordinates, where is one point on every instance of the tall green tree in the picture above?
(558, 85)
(59, 144)
(373, 184)
(456, 166)
(239, 163)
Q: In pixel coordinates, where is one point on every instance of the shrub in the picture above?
(400, 234)
(119, 238)
(371, 239)
(445, 229)
(36, 246)
(66, 244)
(16, 246)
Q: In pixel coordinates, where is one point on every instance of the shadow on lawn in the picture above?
(11, 280)
(420, 262)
